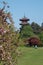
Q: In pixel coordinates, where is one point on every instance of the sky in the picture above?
(33, 9)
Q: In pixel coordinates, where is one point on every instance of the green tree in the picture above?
(26, 31)
(36, 28)
(42, 27)
(41, 37)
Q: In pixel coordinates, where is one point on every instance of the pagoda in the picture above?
(24, 21)
(24, 25)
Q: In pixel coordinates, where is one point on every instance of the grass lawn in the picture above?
(31, 56)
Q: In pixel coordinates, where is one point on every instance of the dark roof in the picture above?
(24, 19)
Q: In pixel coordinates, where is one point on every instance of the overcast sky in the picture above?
(33, 9)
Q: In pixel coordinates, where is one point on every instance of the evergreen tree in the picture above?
(36, 28)
(42, 27)
(26, 31)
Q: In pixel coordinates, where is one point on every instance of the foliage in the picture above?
(8, 40)
(36, 28)
(41, 37)
(42, 27)
(26, 31)
(33, 41)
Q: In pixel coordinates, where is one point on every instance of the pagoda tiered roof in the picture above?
(24, 20)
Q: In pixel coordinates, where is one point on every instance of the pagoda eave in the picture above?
(24, 19)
